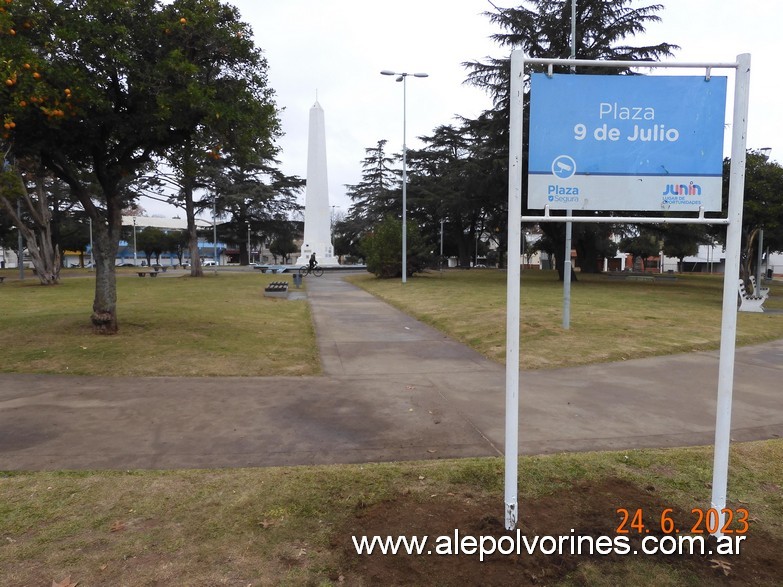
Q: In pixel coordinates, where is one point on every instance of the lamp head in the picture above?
(399, 79)
(421, 75)
(387, 72)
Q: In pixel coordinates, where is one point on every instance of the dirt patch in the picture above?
(584, 510)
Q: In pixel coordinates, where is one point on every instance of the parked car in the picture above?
(208, 263)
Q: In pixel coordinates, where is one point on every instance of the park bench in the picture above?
(763, 291)
(665, 278)
(276, 289)
(144, 273)
(630, 276)
(749, 302)
(639, 276)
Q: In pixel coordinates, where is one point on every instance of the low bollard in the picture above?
(298, 279)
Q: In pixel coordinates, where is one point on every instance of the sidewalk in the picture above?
(393, 389)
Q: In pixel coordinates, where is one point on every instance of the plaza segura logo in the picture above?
(562, 194)
(679, 193)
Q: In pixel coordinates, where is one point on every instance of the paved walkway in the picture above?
(393, 389)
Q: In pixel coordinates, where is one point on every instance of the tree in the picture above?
(530, 246)
(382, 249)
(257, 198)
(347, 234)
(447, 183)
(74, 235)
(375, 196)
(282, 246)
(8, 233)
(37, 230)
(237, 114)
(98, 87)
(542, 29)
(645, 243)
(593, 244)
(152, 241)
(762, 208)
(176, 241)
(682, 240)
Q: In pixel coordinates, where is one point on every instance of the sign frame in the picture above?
(733, 221)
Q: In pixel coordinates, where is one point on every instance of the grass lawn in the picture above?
(293, 526)
(610, 321)
(218, 325)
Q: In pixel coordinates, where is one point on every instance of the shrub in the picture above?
(383, 249)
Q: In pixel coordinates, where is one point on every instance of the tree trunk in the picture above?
(190, 212)
(561, 270)
(104, 307)
(748, 258)
(244, 254)
(107, 229)
(588, 256)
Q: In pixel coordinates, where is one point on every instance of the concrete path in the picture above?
(393, 389)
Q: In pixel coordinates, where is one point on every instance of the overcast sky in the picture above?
(337, 48)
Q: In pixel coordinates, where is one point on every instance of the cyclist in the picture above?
(313, 262)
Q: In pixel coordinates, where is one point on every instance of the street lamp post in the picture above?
(401, 77)
(135, 258)
(440, 261)
(214, 232)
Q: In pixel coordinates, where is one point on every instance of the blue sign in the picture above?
(614, 142)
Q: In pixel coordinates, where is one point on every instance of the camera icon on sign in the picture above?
(563, 167)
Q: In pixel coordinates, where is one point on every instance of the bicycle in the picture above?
(305, 270)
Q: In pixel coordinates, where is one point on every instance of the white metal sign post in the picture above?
(647, 154)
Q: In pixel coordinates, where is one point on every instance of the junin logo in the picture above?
(673, 189)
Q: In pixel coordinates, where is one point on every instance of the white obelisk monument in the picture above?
(317, 223)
